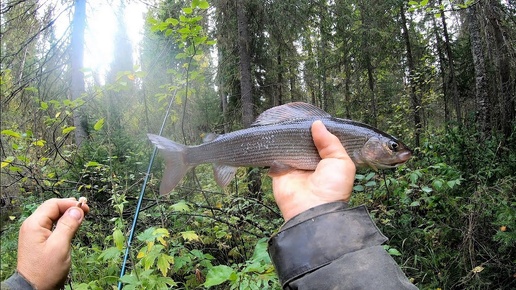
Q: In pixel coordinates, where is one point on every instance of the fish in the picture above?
(280, 139)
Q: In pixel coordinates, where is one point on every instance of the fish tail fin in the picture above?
(175, 163)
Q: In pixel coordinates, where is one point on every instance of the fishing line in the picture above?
(142, 193)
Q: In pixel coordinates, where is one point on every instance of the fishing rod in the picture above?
(142, 194)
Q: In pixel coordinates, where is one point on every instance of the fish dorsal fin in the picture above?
(288, 112)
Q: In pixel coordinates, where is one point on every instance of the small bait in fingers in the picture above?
(82, 200)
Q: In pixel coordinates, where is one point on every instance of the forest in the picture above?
(438, 74)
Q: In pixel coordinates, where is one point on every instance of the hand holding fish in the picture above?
(332, 180)
(279, 139)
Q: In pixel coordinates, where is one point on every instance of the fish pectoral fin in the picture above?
(279, 168)
(224, 174)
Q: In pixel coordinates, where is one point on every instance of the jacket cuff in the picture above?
(17, 282)
(319, 236)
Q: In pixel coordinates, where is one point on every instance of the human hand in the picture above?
(44, 254)
(332, 180)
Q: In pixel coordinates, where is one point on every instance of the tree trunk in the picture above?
(278, 99)
(481, 94)
(80, 120)
(368, 63)
(415, 101)
(451, 70)
(501, 59)
(245, 65)
(442, 62)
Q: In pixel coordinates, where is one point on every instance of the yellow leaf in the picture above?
(140, 255)
(12, 217)
(477, 269)
(190, 236)
(39, 143)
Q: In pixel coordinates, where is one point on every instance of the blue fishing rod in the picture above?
(142, 193)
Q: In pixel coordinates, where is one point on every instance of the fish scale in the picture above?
(281, 140)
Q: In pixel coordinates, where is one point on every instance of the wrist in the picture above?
(296, 207)
(18, 281)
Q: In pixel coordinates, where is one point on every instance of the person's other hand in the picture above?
(44, 254)
(332, 180)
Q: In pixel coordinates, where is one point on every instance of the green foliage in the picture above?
(450, 213)
(449, 225)
(256, 273)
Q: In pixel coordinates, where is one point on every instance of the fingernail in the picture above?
(75, 213)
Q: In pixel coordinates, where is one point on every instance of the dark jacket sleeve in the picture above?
(332, 246)
(16, 282)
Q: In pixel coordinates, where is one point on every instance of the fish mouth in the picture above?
(401, 159)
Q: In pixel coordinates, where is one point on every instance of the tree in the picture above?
(415, 100)
(477, 51)
(246, 85)
(77, 87)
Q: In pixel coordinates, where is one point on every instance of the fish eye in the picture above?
(393, 146)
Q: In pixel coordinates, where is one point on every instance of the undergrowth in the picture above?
(450, 215)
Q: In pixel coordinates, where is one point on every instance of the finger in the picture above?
(328, 145)
(66, 227)
(49, 212)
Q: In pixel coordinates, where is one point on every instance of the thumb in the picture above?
(327, 144)
(67, 225)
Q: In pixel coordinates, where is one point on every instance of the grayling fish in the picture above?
(280, 139)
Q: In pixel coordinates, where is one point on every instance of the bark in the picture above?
(245, 65)
(80, 120)
(278, 99)
(481, 93)
(501, 57)
(442, 62)
(454, 92)
(368, 63)
(415, 100)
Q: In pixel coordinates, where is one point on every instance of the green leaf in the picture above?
(180, 206)
(119, 239)
(68, 129)
(394, 252)
(163, 263)
(414, 176)
(423, 3)
(427, 189)
(203, 5)
(11, 133)
(99, 124)
(187, 10)
(92, 164)
(110, 253)
(370, 183)
(358, 188)
(172, 21)
(44, 105)
(218, 275)
(370, 175)
(147, 235)
(31, 89)
(437, 184)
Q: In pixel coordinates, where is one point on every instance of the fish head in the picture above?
(383, 152)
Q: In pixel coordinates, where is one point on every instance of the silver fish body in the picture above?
(280, 139)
